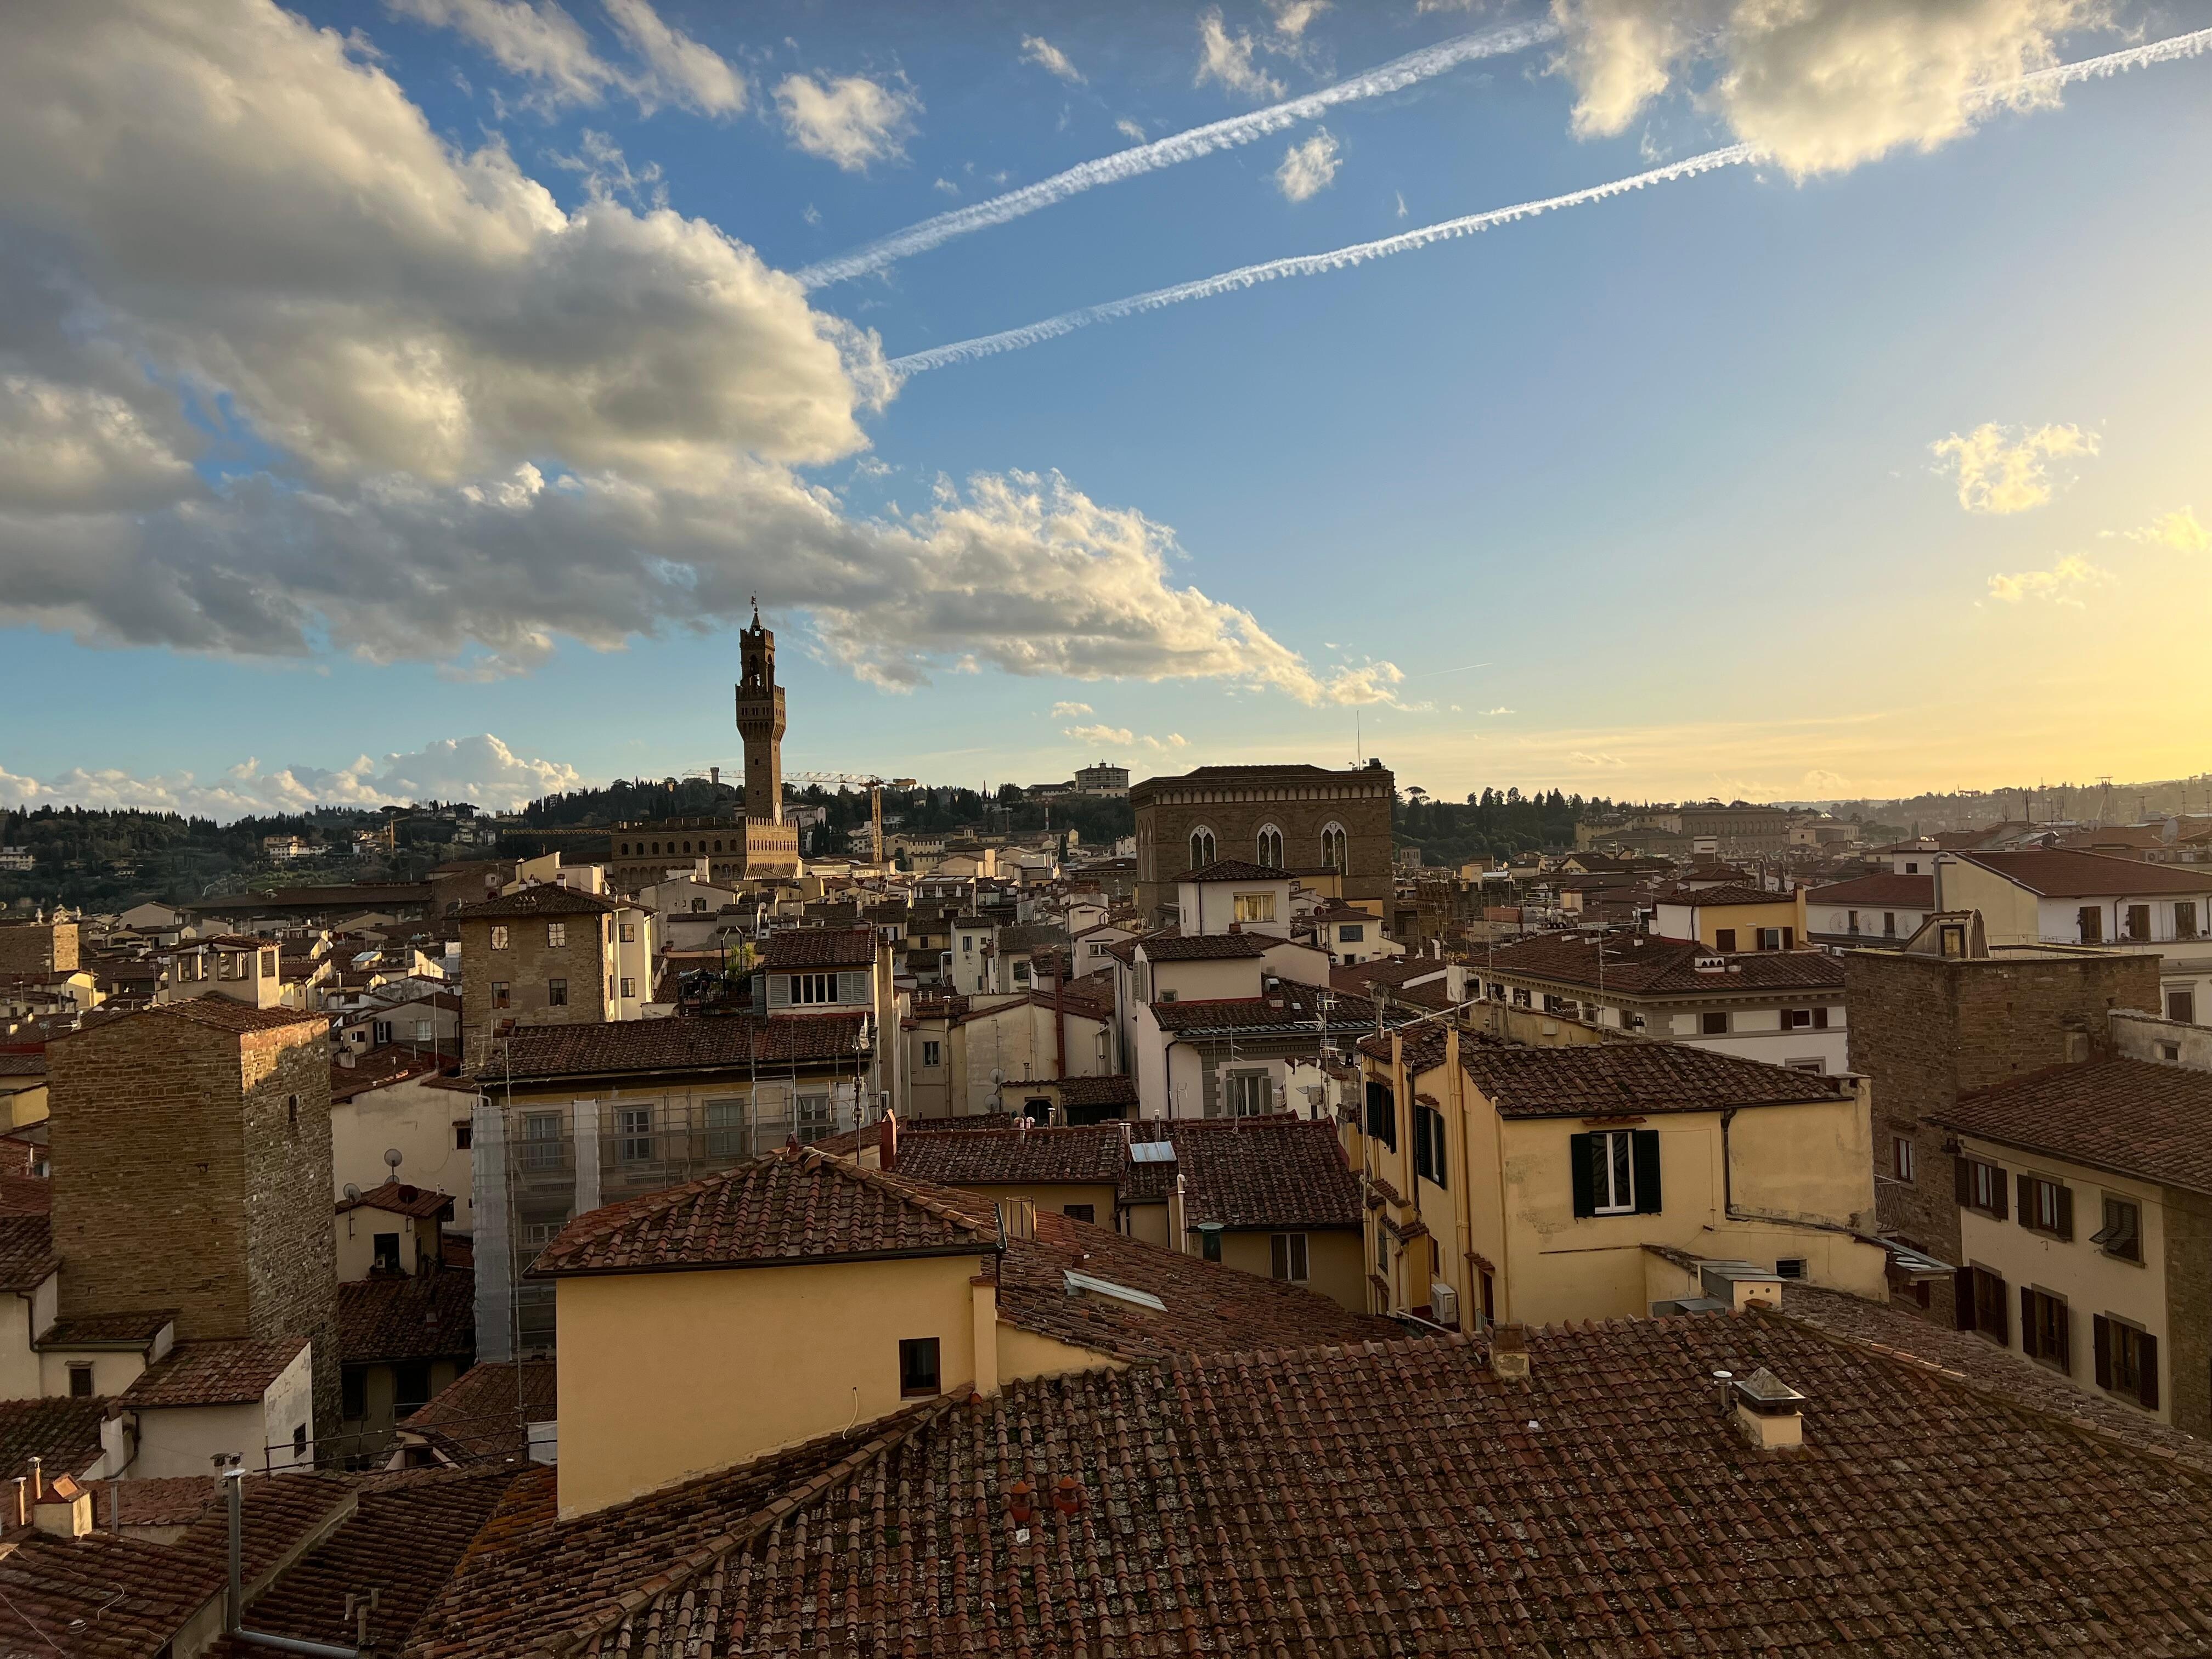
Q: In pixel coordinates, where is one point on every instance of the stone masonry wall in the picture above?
(1925, 1030)
(291, 1248)
(1236, 813)
(38, 947)
(526, 966)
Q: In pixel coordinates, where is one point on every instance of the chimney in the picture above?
(65, 1511)
(1508, 1353)
(1019, 1509)
(887, 1143)
(2077, 1047)
(1067, 1496)
(1767, 1412)
(1178, 1222)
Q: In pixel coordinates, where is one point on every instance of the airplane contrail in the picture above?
(1180, 147)
(1308, 264)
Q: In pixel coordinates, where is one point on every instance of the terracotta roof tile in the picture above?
(793, 1205)
(2054, 874)
(681, 1043)
(1727, 895)
(546, 899)
(380, 1068)
(1043, 1155)
(1650, 965)
(398, 1316)
(1289, 1006)
(26, 1250)
(1630, 1079)
(1266, 1172)
(819, 947)
(1904, 892)
(1203, 947)
(1234, 870)
(399, 1198)
(2135, 1117)
(63, 1433)
(213, 1373)
(484, 1414)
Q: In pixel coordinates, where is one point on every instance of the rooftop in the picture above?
(796, 1205)
(1649, 965)
(1234, 870)
(1632, 1079)
(2057, 873)
(1905, 892)
(394, 1317)
(1727, 894)
(380, 1068)
(820, 947)
(399, 1198)
(682, 1043)
(1289, 1006)
(484, 1413)
(26, 1249)
(2134, 1117)
(543, 899)
(1203, 947)
(213, 1373)
(1393, 1498)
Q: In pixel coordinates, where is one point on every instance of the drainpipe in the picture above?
(233, 1594)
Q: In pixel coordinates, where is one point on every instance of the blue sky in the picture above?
(1641, 497)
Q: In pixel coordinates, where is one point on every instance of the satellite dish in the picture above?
(391, 1157)
(352, 1191)
(996, 1077)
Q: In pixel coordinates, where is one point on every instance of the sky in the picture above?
(412, 399)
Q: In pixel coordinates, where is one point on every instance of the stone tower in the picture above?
(759, 722)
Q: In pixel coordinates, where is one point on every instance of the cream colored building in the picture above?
(2085, 1218)
(1536, 1184)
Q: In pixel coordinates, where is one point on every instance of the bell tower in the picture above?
(760, 723)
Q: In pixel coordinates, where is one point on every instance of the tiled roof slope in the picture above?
(1615, 1080)
(2134, 1117)
(26, 1249)
(397, 1316)
(1204, 947)
(1649, 965)
(1727, 896)
(484, 1413)
(1398, 1499)
(1289, 1005)
(400, 1197)
(2058, 874)
(973, 1158)
(796, 1205)
(1266, 1172)
(545, 899)
(63, 1433)
(680, 1044)
(820, 947)
(1906, 892)
(1233, 870)
(214, 1373)
(218, 1013)
(1211, 1309)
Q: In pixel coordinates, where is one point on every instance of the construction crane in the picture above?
(874, 786)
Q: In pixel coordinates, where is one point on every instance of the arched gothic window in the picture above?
(1201, 848)
(1332, 847)
(1271, 848)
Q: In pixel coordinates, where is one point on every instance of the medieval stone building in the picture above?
(1302, 819)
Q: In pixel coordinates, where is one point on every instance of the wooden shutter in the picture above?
(2027, 1199)
(1646, 1144)
(1962, 1293)
(1581, 1159)
(2066, 1213)
(2063, 1334)
(1962, 1170)
(1436, 1170)
(1997, 1191)
(779, 990)
(2101, 1336)
(2000, 1325)
(852, 986)
(2147, 1371)
(1420, 1139)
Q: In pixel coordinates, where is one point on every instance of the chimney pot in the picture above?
(1067, 1495)
(1018, 1503)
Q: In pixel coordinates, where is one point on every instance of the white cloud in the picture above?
(1401, 203)
(1102, 737)
(1070, 711)
(479, 769)
(1581, 758)
(849, 121)
(2003, 469)
(1130, 129)
(1291, 16)
(1227, 58)
(1501, 709)
(947, 187)
(2063, 584)
(1309, 169)
(678, 68)
(1036, 49)
(497, 425)
(1825, 785)
(1820, 85)
(2179, 529)
(540, 41)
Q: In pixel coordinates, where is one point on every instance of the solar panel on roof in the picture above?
(1152, 1151)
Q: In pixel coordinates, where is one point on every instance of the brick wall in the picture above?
(1925, 1030)
(528, 966)
(1167, 812)
(2189, 1308)
(38, 947)
(183, 1179)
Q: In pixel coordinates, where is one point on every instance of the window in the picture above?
(1889, 924)
(1333, 849)
(541, 1141)
(2127, 1360)
(1080, 1212)
(380, 1031)
(1725, 938)
(1289, 1257)
(388, 1253)
(1022, 972)
(2122, 1234)
(1352, 933)
(1713, 1025)
(465, 1137)
(2043, 1331)
(634, 1125)
(1952, 938)
(79, 1379)
(1981, 1186)
(353, 1393)
(1904, 1158)
(629, 986)
(1429, 1143)
(1209, 1243)
(2181, 1005)
(2046, 1207)
(498, 993)
(1778, 938)
(422, 1031)
(813, 988)
(932, 1053)
(2091, 921)
(1850, 921)
(536, 1235)
(1980, 1295)
(726, 1134)
(629, 934)
(556, 932)
(2138, 924)
(300, 1439)
(1255, 907)
(1382, 1248)
(1616, 1172)
(698, 904)
(1201, 848)
(557, 994)
(1383, 1114)
(267, 964)
(2184, 919)
(1812, 1064)
(1271, 848)
(815, 1119)
(1244, 1094)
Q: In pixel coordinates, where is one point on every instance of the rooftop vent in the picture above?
(1768, 1411)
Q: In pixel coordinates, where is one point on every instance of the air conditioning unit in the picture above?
(1444, 1305)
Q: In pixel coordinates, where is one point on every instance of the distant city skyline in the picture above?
(414, 415)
